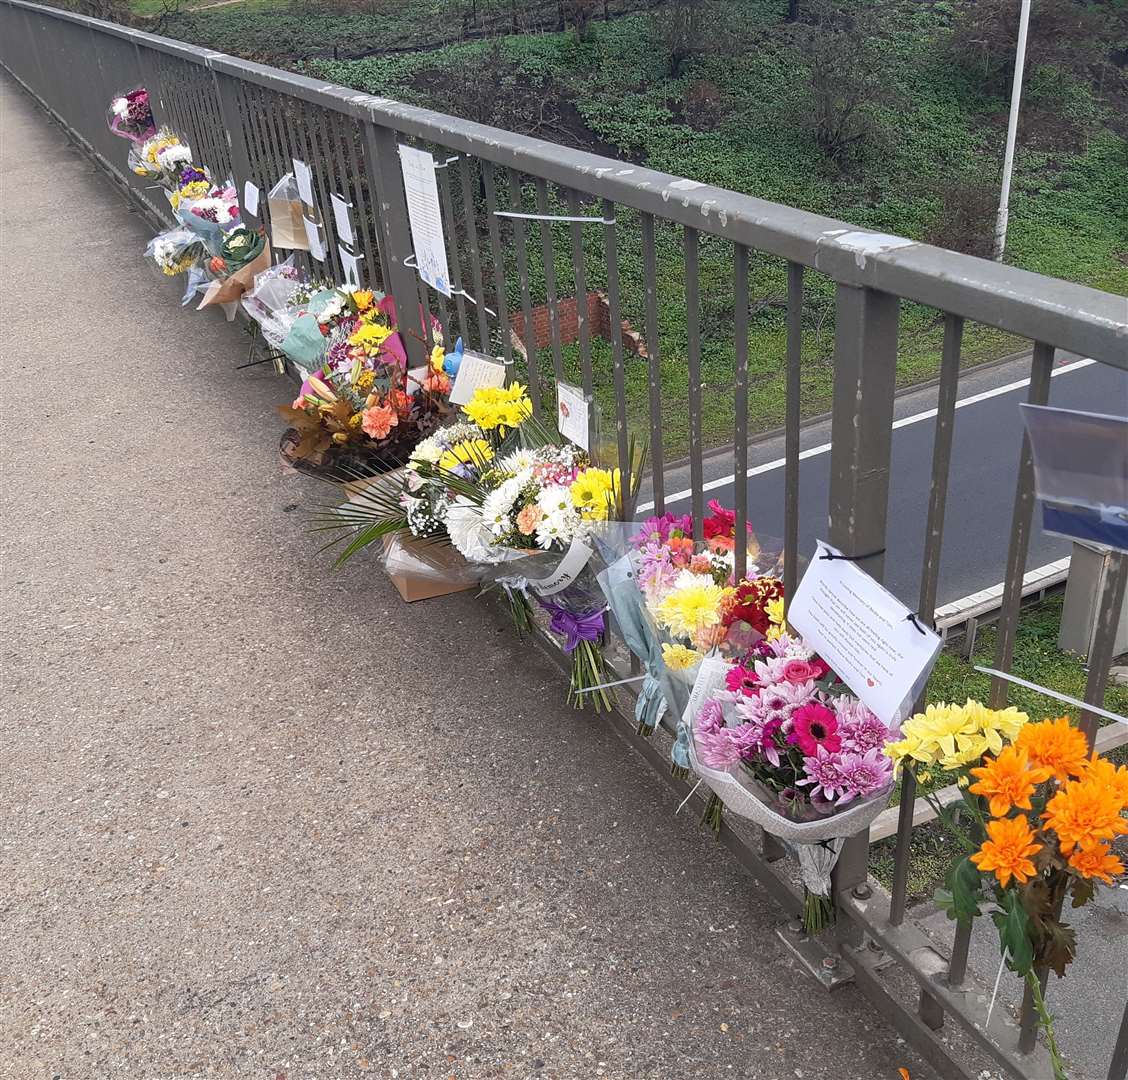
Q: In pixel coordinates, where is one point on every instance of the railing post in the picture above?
(227, 95)
(385, 183)
(865, 377)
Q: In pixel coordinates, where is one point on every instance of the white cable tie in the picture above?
(995, 992)
(410, 262)
(690, 795)
(1077, 702)
(608, 685)
(449, 161)
(555, 217)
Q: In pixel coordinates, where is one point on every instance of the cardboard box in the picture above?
(421, 569)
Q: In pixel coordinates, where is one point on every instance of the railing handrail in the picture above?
(1064, 314)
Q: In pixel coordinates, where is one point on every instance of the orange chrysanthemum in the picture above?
(1008, 780)
(1007, 850)
(1112, 777)
(1095, 860)
(1084, 812)
(1056, 745)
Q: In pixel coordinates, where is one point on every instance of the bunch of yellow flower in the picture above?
(952, 736)
(499, 408)
(678, 657)
(692, 609)
(370, 336)
(467, 452)
(595, 493)
(196, 189)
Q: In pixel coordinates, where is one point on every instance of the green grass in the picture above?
(1036, 659)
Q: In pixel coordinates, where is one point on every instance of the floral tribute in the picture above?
(787, 725)
(1037, 820)
(130, 115)
(360, 401)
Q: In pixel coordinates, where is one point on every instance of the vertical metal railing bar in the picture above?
(1103, 647)
(455, 266)
(263, 168)
(304, 140)
(326, 183)
(520, 247)
(548, 254)
(692, 247)
(933, 541)
(470, 217)
(227, 92)
(583, 323)
(792, 419)
(366, 197)
(497, 254)
(654, 364)
(615, 318)
(1038, 394)
(740, 406)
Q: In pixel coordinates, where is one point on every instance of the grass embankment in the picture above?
(1037, 659)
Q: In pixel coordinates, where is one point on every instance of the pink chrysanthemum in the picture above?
(859, 728)
(864, 775)
(823, 774)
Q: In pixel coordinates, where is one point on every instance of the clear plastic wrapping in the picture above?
(284, 204)
(130, 115)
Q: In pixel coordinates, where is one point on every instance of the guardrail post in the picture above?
(865, 377)
(230, 112)
(385, 184)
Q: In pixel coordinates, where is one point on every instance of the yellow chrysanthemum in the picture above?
(370, 337)
(953, 736)
(363, 299)
(466, 452)
(197, 189)
(995, 725)
(365, 380)
(499, 407)
(594, 493)
(678, 657)
(686, 610)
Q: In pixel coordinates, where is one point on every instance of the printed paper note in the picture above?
(342, 219)
(304, 178)
(250, 198)
(425, 218)
(864, 633)
(474, 371)
(350, 263)
(573, 414)
(313, 235)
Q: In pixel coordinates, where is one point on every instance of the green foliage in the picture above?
(1014, 933)
(961, 897)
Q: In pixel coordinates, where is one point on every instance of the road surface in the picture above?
(984, 470)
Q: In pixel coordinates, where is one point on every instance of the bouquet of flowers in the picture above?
(358, 413)
(1036, 821)
(268, 301)
(243, 253)
(781, 740)
(161, 158)
(130, 116)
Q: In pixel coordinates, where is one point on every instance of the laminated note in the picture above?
(304, 178)
(342, 219)
(350, 263)
(425, 218)
(313, 236)
(250, 198)
(475, 370)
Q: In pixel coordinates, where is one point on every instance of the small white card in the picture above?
(250, 198)
(350, 263)
(342, 219)
(304, 178)
(313, 235)
(567, 570)
(864, 633)
(573, 415)
(416, 376)
(475, 370)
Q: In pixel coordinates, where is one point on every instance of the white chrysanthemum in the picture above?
(497, 509)
(556, 500)
(468, 532)
(519, 461)
(120, 106)
(170, 155)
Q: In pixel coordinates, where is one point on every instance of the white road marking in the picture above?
(905, 421)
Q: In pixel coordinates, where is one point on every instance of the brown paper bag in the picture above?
(286, 228)
(228, 290)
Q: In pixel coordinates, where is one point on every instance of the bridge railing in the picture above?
(731, 251)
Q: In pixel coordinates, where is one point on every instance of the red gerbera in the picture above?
(814, 725)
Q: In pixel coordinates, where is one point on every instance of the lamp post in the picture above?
(1012, 131)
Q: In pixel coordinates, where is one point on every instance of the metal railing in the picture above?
(247, 120)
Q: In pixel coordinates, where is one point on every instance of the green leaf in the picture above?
(1082, 891)
(1014, 934)
(961, 897)
(1059, 946)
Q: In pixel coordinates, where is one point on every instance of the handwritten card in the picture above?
(475, 370)
(350, 263)
(342, 219)
(573, 414)
(304, 178)
(313, 235)
(425, 218)
(250, 198)
(864, 633)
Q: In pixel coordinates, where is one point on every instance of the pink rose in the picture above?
(800, 671)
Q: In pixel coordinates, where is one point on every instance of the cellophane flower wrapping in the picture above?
(267, 302)
(130, 115)
(783, 742)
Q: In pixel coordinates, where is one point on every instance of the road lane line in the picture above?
(905, 421)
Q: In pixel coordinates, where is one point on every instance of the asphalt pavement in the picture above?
(984, 469)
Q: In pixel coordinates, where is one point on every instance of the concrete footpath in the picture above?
(260, 818)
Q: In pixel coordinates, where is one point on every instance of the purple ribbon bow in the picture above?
(573, 628)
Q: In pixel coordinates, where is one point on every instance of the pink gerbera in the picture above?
(814, 725)
(742, 680)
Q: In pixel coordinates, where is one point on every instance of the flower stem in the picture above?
(1046, 1022)
(818, 912)
(714, 809)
